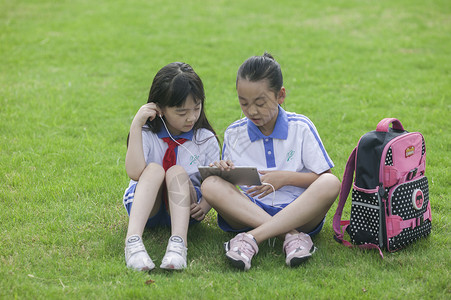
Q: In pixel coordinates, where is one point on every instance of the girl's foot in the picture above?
(298, 248)
(175, 257)
(136, 256)
(240, 250)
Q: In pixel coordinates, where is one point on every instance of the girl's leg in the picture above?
(144, 202)
(181, 193)
(237, 209)
(239, 212)
(305, 212)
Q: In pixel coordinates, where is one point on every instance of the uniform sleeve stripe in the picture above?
(298, 117)
(315, 134)
(238, 123)
(223, 150)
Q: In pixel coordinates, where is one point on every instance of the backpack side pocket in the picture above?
(365, 221)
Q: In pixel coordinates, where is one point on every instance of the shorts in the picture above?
(272, 210)
(162, 218)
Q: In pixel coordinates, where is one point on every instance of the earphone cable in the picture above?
(172, 138)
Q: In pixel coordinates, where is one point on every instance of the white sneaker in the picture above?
(175, 257)
(136, 256)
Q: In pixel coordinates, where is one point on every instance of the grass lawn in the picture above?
(74, 73)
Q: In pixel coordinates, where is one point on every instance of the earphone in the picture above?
(273, 191)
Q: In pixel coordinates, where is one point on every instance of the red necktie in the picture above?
(169, 160)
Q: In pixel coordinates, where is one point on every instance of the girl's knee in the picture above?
(332, 179)
(332, 182)
(176, 177)
(175, 171)
(153, 171)
(209, 186)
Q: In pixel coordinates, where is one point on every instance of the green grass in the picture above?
(74, 73)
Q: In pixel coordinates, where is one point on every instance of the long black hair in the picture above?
(171, 86)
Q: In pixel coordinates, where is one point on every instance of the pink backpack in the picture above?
(390, 205)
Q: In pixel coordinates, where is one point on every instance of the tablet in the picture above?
(238, 175)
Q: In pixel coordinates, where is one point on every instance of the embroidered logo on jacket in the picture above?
(290, 155)
(193, 159)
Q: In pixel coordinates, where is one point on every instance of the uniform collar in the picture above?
(280, 129)
(186, 135)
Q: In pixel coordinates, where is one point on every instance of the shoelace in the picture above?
(177, 248)
(243, 247)
(295, 245)
(135, 248)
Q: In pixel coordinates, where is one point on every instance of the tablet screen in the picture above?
(238, 175)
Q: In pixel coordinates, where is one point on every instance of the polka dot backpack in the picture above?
(390, 205)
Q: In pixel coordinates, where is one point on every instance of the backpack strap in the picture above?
(385, 123)
(338, 224)
(344, 192)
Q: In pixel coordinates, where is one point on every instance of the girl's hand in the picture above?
(199, 211)
(275, 178)
(147, 111)
(226, 165)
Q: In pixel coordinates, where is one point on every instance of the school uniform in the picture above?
(199, 150)
(294, 145)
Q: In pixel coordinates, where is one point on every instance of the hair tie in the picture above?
(186, 68)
